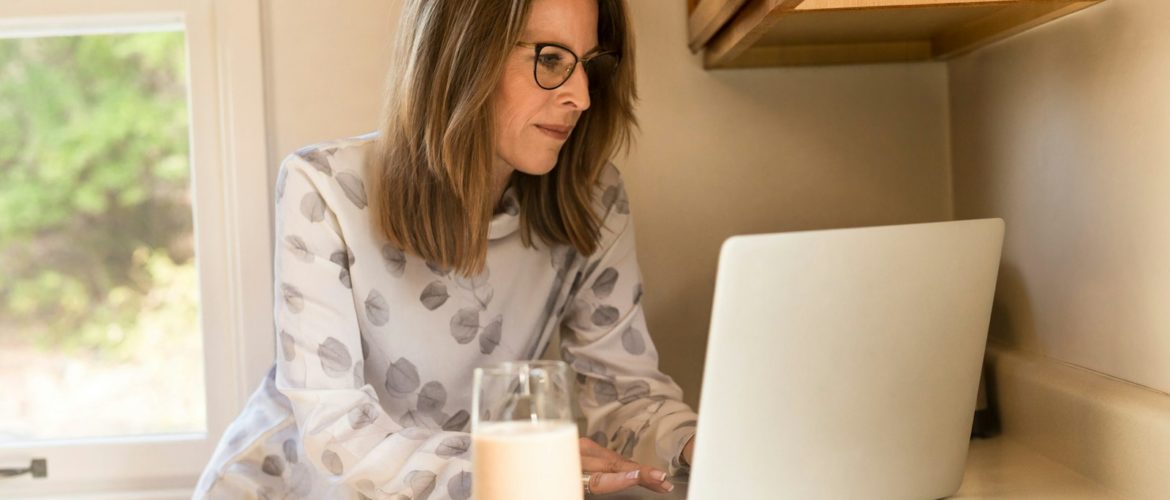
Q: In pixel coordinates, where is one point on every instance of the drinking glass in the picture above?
(524, 440)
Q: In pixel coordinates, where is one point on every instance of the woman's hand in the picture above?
(610, 472)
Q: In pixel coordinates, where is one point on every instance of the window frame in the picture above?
(230, 204)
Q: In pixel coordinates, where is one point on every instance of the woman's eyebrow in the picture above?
(596, 48)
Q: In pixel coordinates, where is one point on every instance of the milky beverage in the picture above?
(526, 461)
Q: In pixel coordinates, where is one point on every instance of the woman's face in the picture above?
(525, 112)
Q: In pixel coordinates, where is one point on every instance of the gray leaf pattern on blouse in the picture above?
(353, 188)
(395, 260)
(636, 390)
(588, 366)
(402, 377)
(465, 325)
(490, 339)
(600, 438)
(605, 315)
(341, 258)
(632, 341)
(288, 346)
(362, 416)
(453, 446)
(458, 422)
(344, 259)
(290, 451)
(604, 391)
(434, 295)
(605, 283)
(317, 159)
(615, 197)
(335, 359)
(459, 487)
(313, 207)
(377, 310)
(432, 397)
(292, 298)
(273, 466)
(299, 248)
(422, 483)
(332, 462)
(628, 439)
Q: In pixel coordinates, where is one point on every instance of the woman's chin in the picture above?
(537, 169)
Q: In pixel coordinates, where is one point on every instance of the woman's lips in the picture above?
(558, 133)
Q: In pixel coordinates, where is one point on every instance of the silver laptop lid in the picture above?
(845, 363)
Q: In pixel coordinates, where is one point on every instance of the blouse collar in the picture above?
(508, 220)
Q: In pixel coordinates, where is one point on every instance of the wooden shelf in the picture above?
(757, 33)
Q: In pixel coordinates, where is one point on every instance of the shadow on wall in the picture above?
(1012, 322)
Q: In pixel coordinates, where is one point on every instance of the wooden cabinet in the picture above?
(755, 33)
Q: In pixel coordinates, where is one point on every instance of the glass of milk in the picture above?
(523, 436)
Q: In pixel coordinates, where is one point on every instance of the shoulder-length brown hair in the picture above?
(431, 169)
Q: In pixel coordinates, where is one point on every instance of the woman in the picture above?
(482, 218)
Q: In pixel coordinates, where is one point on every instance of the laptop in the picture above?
(845, 363)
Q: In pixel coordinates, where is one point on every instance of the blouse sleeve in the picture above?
(344, 430)
(629, 405)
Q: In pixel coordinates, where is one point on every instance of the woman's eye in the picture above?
(550, 60)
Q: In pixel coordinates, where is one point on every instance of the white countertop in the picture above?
(996, 468)
(1002, 468)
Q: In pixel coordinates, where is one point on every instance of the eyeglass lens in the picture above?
(554, 65)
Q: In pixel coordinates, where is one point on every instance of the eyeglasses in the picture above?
(554, 64)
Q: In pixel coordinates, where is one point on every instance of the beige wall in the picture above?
(1064, 131)
(324, 69)
(720, 152)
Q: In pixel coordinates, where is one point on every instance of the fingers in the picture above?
(601, 483)
(654, 479)
(597, 464)
(641, 475)
(611, 469)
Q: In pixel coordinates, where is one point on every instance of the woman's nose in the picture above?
(576, 89)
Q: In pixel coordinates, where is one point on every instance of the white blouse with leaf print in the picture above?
(370, 393)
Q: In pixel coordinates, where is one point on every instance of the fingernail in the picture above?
(668, 486)
(633, 474)
(658, 475)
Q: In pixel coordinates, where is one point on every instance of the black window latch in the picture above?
(39, 468)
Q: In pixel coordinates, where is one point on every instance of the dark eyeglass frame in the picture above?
(539, 46)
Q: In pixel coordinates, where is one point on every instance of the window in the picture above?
(135, 271)
(98, 288)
